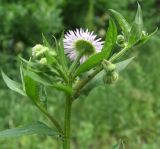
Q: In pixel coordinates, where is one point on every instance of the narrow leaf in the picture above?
(90, 63)
(111, 37)
(13, 85)
(45, 42)
(31, 89)
(34, 128)
(61, 87)
(122, 22)
(61, 54)
(122, 65)
(137, 27)
(22, 76)
(39, 78)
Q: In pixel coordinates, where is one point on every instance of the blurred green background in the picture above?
(128, 110)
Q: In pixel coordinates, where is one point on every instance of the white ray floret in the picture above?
(81, 40)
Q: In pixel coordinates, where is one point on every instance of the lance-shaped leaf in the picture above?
(39, 78)
(94, 60)
(61, 54)
(34, 128)
(137, 27)
(110, 40)
(123, 64)
(47, 82)
(64, 88)
(122, 22)
(13, 85)
(31, 88)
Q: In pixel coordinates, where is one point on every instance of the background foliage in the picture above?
(128, 110)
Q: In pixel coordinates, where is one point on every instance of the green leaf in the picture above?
(39, 78)
(34, 128)
(137, 27)
(122, 22)
(95, 59)
(146, 38)
(45, 42)
(111, 37)
(31, 89)
(13, 85)
(90, 63)
(65, 88)
(61, 54)
(22, 76)
(122, 65)
(43, 96)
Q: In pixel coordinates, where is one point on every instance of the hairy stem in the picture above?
(67, 123)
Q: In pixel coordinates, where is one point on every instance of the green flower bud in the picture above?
(110, 78)
(39, 50)
(144, 33)
(121, 41)
(43, 61)
(108, 66)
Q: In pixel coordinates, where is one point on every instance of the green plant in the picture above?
(50, 67)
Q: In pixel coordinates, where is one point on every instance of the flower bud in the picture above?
(121, 41)
(108, 66)
(43, 61)
(39, 50)
(110, 78)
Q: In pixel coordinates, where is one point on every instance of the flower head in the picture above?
(81, 41)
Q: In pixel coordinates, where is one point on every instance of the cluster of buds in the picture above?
(111, 75)
(42, 53)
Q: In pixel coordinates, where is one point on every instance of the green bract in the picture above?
(85, 47)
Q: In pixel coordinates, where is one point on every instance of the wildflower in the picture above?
(81, 42)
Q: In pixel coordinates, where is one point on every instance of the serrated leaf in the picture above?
(122, 22)
(137, 27)
(123, 64)
(13, 85)
(94, 60)
(34, 128)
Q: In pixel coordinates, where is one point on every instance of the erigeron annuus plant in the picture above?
(79, 60)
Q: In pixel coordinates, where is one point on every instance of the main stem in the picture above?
(67, 123)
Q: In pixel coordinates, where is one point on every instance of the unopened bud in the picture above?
(43, 61)
(108, 66)
(38, 50)
(110, 78)
(121, 41)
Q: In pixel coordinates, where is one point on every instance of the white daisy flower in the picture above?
(81, 41)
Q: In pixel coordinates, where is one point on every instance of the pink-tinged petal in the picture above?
(71, 37)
